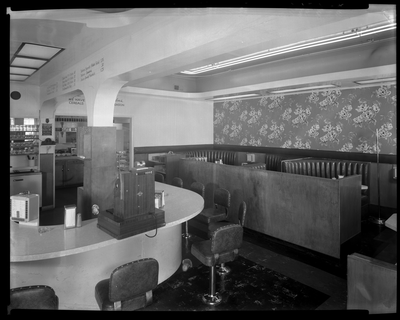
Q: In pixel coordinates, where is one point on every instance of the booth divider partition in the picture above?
(316, 213)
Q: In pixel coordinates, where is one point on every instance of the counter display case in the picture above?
(24, 144)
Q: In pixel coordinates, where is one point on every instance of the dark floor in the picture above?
(269, 275)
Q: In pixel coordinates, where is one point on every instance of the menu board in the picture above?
(71, 79)
(68, 81)
(47, 129)
(92, 69)
(52, 89)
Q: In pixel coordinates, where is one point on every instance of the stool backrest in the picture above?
(177, 182)
(133, 278)
(199, 188)
(242, 213)
(159, 177)
(33, 297)
(222, 197)
(227, 238)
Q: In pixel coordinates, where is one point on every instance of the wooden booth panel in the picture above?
(200, 171)
(316, 213)
(371, 284)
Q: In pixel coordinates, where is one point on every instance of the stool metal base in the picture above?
(223, 270)
(186, 235)
(212, 300)
(377, 220)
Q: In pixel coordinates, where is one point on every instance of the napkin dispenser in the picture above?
(69, 216)
(24, 207)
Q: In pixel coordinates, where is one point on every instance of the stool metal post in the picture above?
(186, 235)
(213, 298)
(378, 220)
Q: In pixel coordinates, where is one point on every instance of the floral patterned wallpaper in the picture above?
(336, 120)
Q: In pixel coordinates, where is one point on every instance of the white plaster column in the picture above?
(100, 102)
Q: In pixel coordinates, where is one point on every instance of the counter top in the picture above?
(67, 158)
(17, 174)
(30, 243)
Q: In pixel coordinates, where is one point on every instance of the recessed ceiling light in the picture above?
(375, 80)
(17, 77)
(342, 36)
(28, 62)
(237, 96)
(304, 88)
(29, 58)
(19, 70)
(38, 51)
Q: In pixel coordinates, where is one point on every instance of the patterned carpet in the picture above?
(248, 286)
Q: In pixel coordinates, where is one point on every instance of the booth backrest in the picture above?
(328, 168)
(273, 162)
(227, 157)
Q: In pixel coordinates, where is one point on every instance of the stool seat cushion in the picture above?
(211, 215)
(202, 251)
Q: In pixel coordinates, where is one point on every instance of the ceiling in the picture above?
(204, 36)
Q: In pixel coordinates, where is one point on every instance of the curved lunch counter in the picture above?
(72, 261)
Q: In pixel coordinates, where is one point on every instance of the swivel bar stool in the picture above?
(159, 177)
(129, 287)
(222, 202)
(223, 269)
(33, 297)
(177, 182)
(222, 247)
(199, 188)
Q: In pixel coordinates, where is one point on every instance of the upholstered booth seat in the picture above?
(227, 157)
(332, 168)
(33, 297)
(129, 287)
(256, 165)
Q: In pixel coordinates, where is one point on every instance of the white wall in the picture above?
(158, 121)
(28, 105)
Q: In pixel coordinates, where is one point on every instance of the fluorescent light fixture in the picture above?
(343, 36)
(18, 77)
(19, 70)
(304, 88)
(237, 96)
(38, 51)
(375, 80)
(29, 58)
(28, 62)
